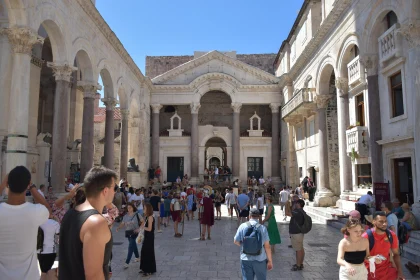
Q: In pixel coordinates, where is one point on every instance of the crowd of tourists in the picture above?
(82, 233)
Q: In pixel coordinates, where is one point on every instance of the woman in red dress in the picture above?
(207, 218)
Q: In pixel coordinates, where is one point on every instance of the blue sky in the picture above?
(163, 27)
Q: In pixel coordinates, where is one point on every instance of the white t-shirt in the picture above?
(41, 193)
(129, 196)
(50, 228)
(216, 171)
(135, 197)
(183, 195)
(260, 201)
(261, 180)
(175, 202)
(18, 235)
(284, 196)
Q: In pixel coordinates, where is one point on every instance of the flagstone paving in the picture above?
(189, 258)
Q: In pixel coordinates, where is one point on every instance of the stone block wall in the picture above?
(332, 142)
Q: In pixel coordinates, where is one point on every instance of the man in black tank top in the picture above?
(85, 238)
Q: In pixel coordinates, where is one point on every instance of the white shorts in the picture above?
(361, 273)
(156, 214)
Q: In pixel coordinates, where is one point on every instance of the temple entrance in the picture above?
(255, 167)
(214, 162)
(175, 168)
(215, 154)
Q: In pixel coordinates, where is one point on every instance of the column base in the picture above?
(325, 198)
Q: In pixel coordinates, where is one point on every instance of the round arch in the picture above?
(84, 65)
(343, 54)
(372, 28)
(215, 82)
(81, 45)
(219, 135)
(325, 69)
(122, 93)
(108, 85)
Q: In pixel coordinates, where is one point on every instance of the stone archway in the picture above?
(215, 153)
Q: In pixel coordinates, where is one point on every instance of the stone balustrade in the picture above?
(357, 139)
(303, 99)
(356, 72)
(389, 45)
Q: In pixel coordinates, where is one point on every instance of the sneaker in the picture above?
(160, 231)
(126, 265)
(136, 259)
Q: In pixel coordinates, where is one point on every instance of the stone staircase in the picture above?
(322, 214)
(411, 250)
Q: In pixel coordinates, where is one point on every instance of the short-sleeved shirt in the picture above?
(366, 199)
(239, 237)
(177, 206)
(50, 228)
(243, 199)
(232, 198)
(399, 212)
(131, 222)
(167, 204)
(296, 221)
(284, 196)
(154, 200)
(382, 246)
(392, 221)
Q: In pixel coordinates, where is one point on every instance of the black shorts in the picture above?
(261, 211)
(244, 213)
(46, 261)
(217, 204)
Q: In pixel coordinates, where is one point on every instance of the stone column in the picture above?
(291, 174)
(374, 115)
(110, 104)
(342, 86)
(124, 143)
(62, 74)
(324, 195)
(275, 136)
(155, 134)
(411, 32)
(195, 107)
(89, 94)
(236, 139)
(21, 40)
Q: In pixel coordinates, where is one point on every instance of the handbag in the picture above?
(140, 236)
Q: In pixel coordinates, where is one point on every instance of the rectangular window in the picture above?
(360, 110)
(397, 95)
(364, 174)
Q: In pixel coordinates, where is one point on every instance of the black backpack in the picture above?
(307, 223)
(402, 236)
(40, 240)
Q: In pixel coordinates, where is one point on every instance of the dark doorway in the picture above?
(255, 167)
(403, 180)
(214, 162)
(312, 174)
(175, 168)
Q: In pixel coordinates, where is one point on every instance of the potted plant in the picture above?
(353, 154)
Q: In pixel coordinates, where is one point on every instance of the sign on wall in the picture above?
(381, 193)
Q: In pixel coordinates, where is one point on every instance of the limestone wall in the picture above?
(255, 147)
(332, 142)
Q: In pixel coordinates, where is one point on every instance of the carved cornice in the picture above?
(275, 107)
(260, 74)
(124, 114)
(370, 62)
(342, 84)
(22, 39)
(87, 87)
(236, 106)
(322, 100)
(195, 107)
(411, 32)
(156, 108)
(61, 72)
(311, 48)
(110, 102)
(101, 24)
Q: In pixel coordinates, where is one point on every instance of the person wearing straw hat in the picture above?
(408, 220)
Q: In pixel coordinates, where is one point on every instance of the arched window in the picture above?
(391, 19)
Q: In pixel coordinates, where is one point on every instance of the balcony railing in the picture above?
(303, 97)
(357, 140)
(356, 71)
(389, 44)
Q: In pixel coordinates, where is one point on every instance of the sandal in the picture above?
(208, 237)
(202, 237)
(296, 267)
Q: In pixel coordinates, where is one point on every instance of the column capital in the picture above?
(411, 32)
(275, 107)
(110, 102)
(88, 86)
(195, 107)
(22, 39)
(342, 84)
(236, 106)
(370, 62)
(61, 71)
(124, 114)
(156, 108)
(322, 100)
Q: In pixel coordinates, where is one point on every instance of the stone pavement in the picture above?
(189, 258)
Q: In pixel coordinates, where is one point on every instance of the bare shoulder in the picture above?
(95, 225)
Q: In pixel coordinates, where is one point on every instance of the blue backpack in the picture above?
(252, 243)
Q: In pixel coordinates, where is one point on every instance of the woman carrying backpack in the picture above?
(132, 223)
(273, 231)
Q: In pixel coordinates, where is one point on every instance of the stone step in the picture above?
(413, 243)
(316, 215)
(415, 234)
(335, 224)
(411, 254)
(322, 211)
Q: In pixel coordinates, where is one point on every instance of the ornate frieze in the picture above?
(22, 39)
(236, 106)
(322, 100)
(156, 108)
(61, 72)
(195, 107)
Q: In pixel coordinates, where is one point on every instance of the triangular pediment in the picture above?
(215, 62)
